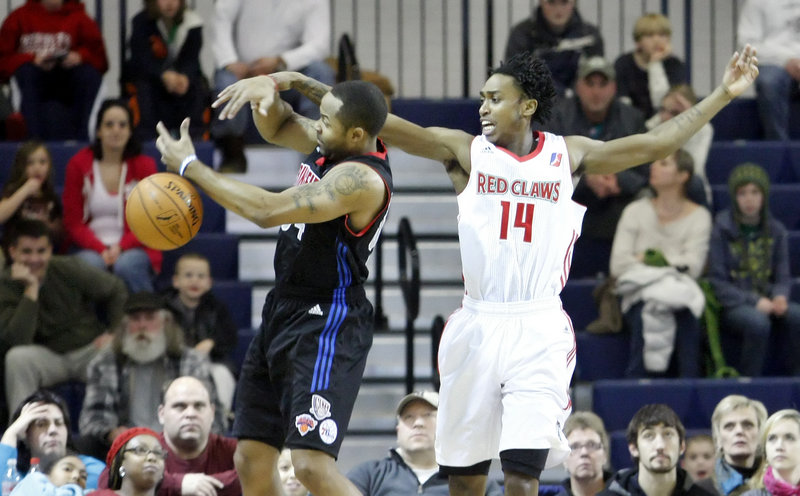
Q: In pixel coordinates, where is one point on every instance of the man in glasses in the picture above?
(589, 455)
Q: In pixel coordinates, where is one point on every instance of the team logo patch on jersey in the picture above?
(328, 431)
(320, 407)
(316, 310)
(305, 423)
(555, 159)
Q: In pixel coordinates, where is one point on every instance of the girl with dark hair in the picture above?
(30, 193)
(65, 476)
(99, 180)
(135, 464)
(40, 427)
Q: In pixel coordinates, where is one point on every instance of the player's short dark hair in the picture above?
(653, 415)
(363, 105)
(32, 228)
(534, 80)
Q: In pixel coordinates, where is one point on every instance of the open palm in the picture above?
(742, 70)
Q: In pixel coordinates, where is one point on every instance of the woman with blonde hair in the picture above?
(779, 473)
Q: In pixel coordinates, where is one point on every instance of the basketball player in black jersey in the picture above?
(518, 412)
(302, 372)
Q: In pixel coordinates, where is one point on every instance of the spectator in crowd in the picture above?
(736, 428)
(257, 37)
(164, 67)
(65, 476)
(54, 52)
(198, 461)
(135, 463)
(49, 309)
(291, 484)
(749, 271)
(698, 460)
(147, 349)
(773, 28)
(679, 98)
(655, 438)
(659, 251)
(40, 428)
(779, 473)
(589, 454)
(597, 113)
(98, 181)
(410, 468)
(646, 74)
(207, 325)
(556, 33)
(30, 192)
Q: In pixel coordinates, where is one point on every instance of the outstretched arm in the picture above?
(350, 188)
(591, 156)
(274, 118)
(436, 143)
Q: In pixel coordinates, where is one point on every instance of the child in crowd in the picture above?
(749, 271)
(65, 476)
(30, 191)
(291, 485)
(206, 322)
(698, 459)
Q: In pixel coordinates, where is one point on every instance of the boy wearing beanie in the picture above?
(749, 270)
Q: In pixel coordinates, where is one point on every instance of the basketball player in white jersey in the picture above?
(507, 355)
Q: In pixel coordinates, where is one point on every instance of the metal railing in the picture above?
(443, 48)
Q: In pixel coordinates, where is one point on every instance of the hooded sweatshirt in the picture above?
(626, 483)
(748, 262)
(32, 29)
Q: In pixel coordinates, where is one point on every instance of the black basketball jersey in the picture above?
(328, 260)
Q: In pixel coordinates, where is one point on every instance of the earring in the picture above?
(122, 472)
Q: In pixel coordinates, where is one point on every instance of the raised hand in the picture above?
(28, 414)
(260, 92)
(174, 151)
(742, 70)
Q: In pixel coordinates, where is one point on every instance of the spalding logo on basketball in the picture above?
(164, 211)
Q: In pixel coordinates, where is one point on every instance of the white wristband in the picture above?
(188, 160)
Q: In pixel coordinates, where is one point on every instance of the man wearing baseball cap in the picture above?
(596, 112)
(411, 467)
(124, 382)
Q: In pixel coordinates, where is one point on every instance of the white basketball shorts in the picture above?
(505, 370)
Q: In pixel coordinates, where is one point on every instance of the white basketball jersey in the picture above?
(517, 222)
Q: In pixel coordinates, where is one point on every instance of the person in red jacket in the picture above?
(99, 179)
(55, 52)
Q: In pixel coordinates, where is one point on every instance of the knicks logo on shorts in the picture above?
(305, 423)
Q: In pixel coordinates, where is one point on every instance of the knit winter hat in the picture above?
(123, 438)
(746, 173)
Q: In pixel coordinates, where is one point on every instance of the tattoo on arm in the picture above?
(687, 118)
(347, 182)
(313, 90)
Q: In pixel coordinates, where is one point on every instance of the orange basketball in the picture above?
(164, 211)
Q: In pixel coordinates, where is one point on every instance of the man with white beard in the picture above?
(124, 382)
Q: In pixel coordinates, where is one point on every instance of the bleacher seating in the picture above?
(221, 249)
(616, 401)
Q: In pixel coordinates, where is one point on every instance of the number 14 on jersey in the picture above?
(523, 219)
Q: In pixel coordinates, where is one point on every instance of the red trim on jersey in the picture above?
(381, 153)
(539, 146)
(572, 353)
(568, 259)
(377, 216)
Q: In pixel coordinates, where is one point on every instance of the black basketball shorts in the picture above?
(302, 372)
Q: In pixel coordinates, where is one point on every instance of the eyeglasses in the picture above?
(591, 446)
(143, 451)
